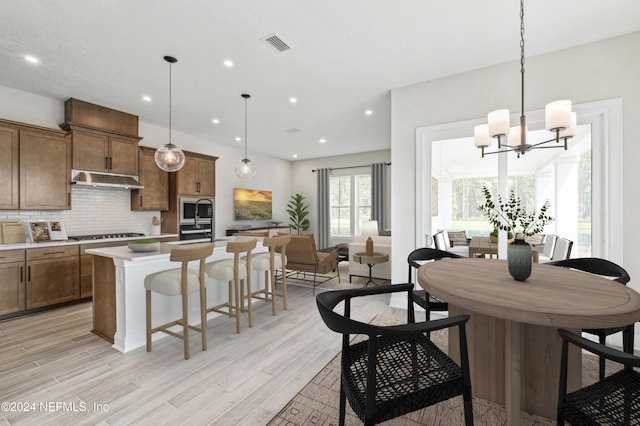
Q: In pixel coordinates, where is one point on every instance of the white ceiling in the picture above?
(346, 56)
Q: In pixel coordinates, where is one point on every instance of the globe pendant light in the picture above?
(169, 157)
(246, 169)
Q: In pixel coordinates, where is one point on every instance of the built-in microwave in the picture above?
(204, 207)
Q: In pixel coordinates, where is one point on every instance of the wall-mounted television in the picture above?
(251, 204)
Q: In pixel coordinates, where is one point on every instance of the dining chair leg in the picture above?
(203, 317)
(148, 320)
(237, 302)
(185, 324)
(284, 289)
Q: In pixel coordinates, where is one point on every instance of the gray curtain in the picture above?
(324, 211)
(379, 194)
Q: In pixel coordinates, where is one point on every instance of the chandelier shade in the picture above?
(559, 120)
(245, 168)
(169, 157)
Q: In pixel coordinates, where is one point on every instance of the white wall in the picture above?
(305, 181)
(603, 70)
(108, 210)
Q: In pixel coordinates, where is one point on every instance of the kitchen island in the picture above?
(119, 294)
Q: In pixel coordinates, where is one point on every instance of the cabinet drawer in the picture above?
(52, 252)
(7, 256)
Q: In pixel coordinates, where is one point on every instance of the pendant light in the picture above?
(169, 157)
(245, 169)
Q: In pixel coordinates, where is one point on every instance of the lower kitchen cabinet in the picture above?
(12, 281)
(53, 276)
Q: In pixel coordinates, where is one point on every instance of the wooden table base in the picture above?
(506, 355)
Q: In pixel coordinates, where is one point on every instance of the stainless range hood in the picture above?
(104, 180)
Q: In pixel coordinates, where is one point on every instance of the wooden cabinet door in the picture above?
(45, 171)
(9, 166)
(123, 156)
(206, 177)
(90, 151)
(12, 281)
(51, 281)
(187, 177)
(155, 195)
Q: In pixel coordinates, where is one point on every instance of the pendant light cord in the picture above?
(245, 128)
(522, 56)
(170, 103)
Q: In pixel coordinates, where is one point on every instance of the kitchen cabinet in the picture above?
(198, 176)
(101, 151)
(12, 281)
(45, 170)
(53, 275)
(9, 168)
(155, 195)
(35, 168)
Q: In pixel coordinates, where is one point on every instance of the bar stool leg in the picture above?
(237, 299)
(185, 324)
(148, 320)
(270, 288)
(203, 317)
(249, 304)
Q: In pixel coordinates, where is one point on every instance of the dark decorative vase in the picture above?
(519, 259)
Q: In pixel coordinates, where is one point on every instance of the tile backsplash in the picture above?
(93, 211)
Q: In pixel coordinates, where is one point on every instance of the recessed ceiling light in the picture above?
(215, 121)
(32, 59)
(146, 98)
(322, 140)
(293, 100)
(295, 155)
(238, 138)
(368, 112)
(228, 63)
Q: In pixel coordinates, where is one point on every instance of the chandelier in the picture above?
(559, 120)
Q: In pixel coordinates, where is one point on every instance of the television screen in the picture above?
(250, 204)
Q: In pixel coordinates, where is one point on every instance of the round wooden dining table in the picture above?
(514, 347)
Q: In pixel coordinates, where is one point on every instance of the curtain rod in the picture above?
(348, 167)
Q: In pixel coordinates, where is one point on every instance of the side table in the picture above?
(370, 261)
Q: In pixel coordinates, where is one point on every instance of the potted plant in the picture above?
(297, 210)
(510, 216)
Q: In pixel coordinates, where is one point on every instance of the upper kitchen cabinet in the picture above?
(155, 195)
(9, 168)
(198, 176)
(45, 170)
(100, 151)
(35, 168)
(104, 140)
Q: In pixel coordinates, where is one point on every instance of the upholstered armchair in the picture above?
(302, 256)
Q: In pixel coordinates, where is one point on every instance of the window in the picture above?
(350, 204)
(340, 206)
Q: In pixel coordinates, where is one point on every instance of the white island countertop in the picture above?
(119, 294)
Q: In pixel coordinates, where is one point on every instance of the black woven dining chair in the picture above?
(604, 268)
(423, 299)
(397, 370)
(614, 400)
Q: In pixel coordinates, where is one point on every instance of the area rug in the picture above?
(332, 281)
(317, 403)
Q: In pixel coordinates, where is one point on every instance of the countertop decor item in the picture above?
(169, 157)
(144, 245)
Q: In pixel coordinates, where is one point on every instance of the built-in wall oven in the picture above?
(197, 219)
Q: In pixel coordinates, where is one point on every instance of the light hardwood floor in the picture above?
(242, 379)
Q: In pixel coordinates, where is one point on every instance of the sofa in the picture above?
(381, 244)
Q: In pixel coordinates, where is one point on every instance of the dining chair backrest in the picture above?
(549, 245)
(426, 254)
(562, 250)
(442, 240)
(597, 266)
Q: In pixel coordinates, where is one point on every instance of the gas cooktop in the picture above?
(106, 236)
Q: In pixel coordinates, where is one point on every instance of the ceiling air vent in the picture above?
(292, 130)
(275, 42)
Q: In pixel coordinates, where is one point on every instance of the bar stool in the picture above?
(269, 262)
(234, 271)
(180, 282)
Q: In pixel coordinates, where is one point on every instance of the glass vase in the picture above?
(519, 259)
